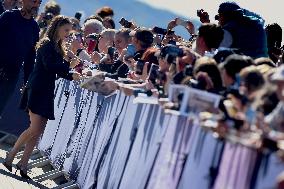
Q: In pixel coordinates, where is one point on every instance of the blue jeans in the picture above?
(7, 87)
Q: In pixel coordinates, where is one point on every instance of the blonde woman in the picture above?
(39, 94)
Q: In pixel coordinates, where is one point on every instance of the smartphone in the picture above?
(130, 51)
(158, 30)
(91, 46)
(153, 73)
(173, 50)
(111, 51)
(78, 15)
(139, 67)
(125, 23)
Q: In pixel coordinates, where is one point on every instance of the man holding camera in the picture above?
(17, 47)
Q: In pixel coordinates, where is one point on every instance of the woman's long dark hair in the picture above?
(52, 33)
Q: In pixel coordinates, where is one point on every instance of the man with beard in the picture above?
(19, 34)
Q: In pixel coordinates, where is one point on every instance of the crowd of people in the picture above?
(239, 59)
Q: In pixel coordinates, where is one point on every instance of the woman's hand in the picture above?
(127, 90)
(70, 55)
(76, 76)
(96, 57)
(130, 63)
(74, 62)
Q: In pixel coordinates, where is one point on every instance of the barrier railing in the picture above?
(110, 142)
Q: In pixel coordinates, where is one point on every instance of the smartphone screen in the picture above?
(153, 73)
(111, 52)
(130, 51)
(139, 67)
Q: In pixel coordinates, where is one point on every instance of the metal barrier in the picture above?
(110, 142)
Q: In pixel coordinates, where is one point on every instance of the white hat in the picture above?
(278, 74)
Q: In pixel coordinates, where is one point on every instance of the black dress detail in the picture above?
(38, 95)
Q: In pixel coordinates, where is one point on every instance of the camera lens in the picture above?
(217, 17)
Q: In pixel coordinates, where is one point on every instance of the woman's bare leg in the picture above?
(27, 135)
(37, 127)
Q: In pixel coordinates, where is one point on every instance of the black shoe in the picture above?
(8, 167)
(23, 173)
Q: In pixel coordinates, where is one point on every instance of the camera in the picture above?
(78, 15)
(45, 19)
(125, 23)
(48, 16)
(158, 30)
(217, 17)
(171, 52)
(94, 36)
(172, 42)
(139, 67)
(199, 12)
(202, 14)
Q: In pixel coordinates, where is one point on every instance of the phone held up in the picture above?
(125, 23)
(139, 67)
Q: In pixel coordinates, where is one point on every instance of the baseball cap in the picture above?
(143, 35)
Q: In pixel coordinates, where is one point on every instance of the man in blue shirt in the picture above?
(19, 33)
(243, 30)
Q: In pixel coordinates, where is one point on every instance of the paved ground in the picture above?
(38, 168)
